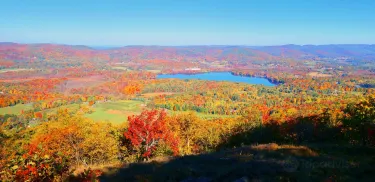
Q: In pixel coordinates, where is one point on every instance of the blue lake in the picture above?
(220, 76)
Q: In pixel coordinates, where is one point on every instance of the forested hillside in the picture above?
(78, 113)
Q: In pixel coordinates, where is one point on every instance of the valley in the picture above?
(108, 111)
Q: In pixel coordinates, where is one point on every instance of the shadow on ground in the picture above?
(320, 152)
(267, 162)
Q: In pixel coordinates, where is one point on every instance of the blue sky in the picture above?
(177, 22)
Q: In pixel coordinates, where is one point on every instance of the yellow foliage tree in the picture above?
(84, 141)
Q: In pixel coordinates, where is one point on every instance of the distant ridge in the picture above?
(237, 53)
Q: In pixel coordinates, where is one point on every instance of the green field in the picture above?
(70, 107)
(15, 109)
(115, 112)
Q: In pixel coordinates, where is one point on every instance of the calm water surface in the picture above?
(221, 76)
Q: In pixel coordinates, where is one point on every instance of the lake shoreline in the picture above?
(222, 76)
(273, 81)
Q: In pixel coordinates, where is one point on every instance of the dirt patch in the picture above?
(291, 149)
(155, 94)
(317, 74)
(84, 82)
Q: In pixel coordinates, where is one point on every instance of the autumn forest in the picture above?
(79, 113)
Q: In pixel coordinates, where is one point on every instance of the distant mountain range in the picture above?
(56, 52)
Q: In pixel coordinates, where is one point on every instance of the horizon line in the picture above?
(187, 45)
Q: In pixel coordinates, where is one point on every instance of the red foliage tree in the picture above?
(265, 113)
(148, 129)
(38, 115)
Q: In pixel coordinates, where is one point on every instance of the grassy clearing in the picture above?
(203, 115)
(155, 94)
(115, 112)
(317, 74)
(154, 71)
(15, 109)
(69, 107)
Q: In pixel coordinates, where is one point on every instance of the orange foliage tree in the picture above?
(132, 89)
